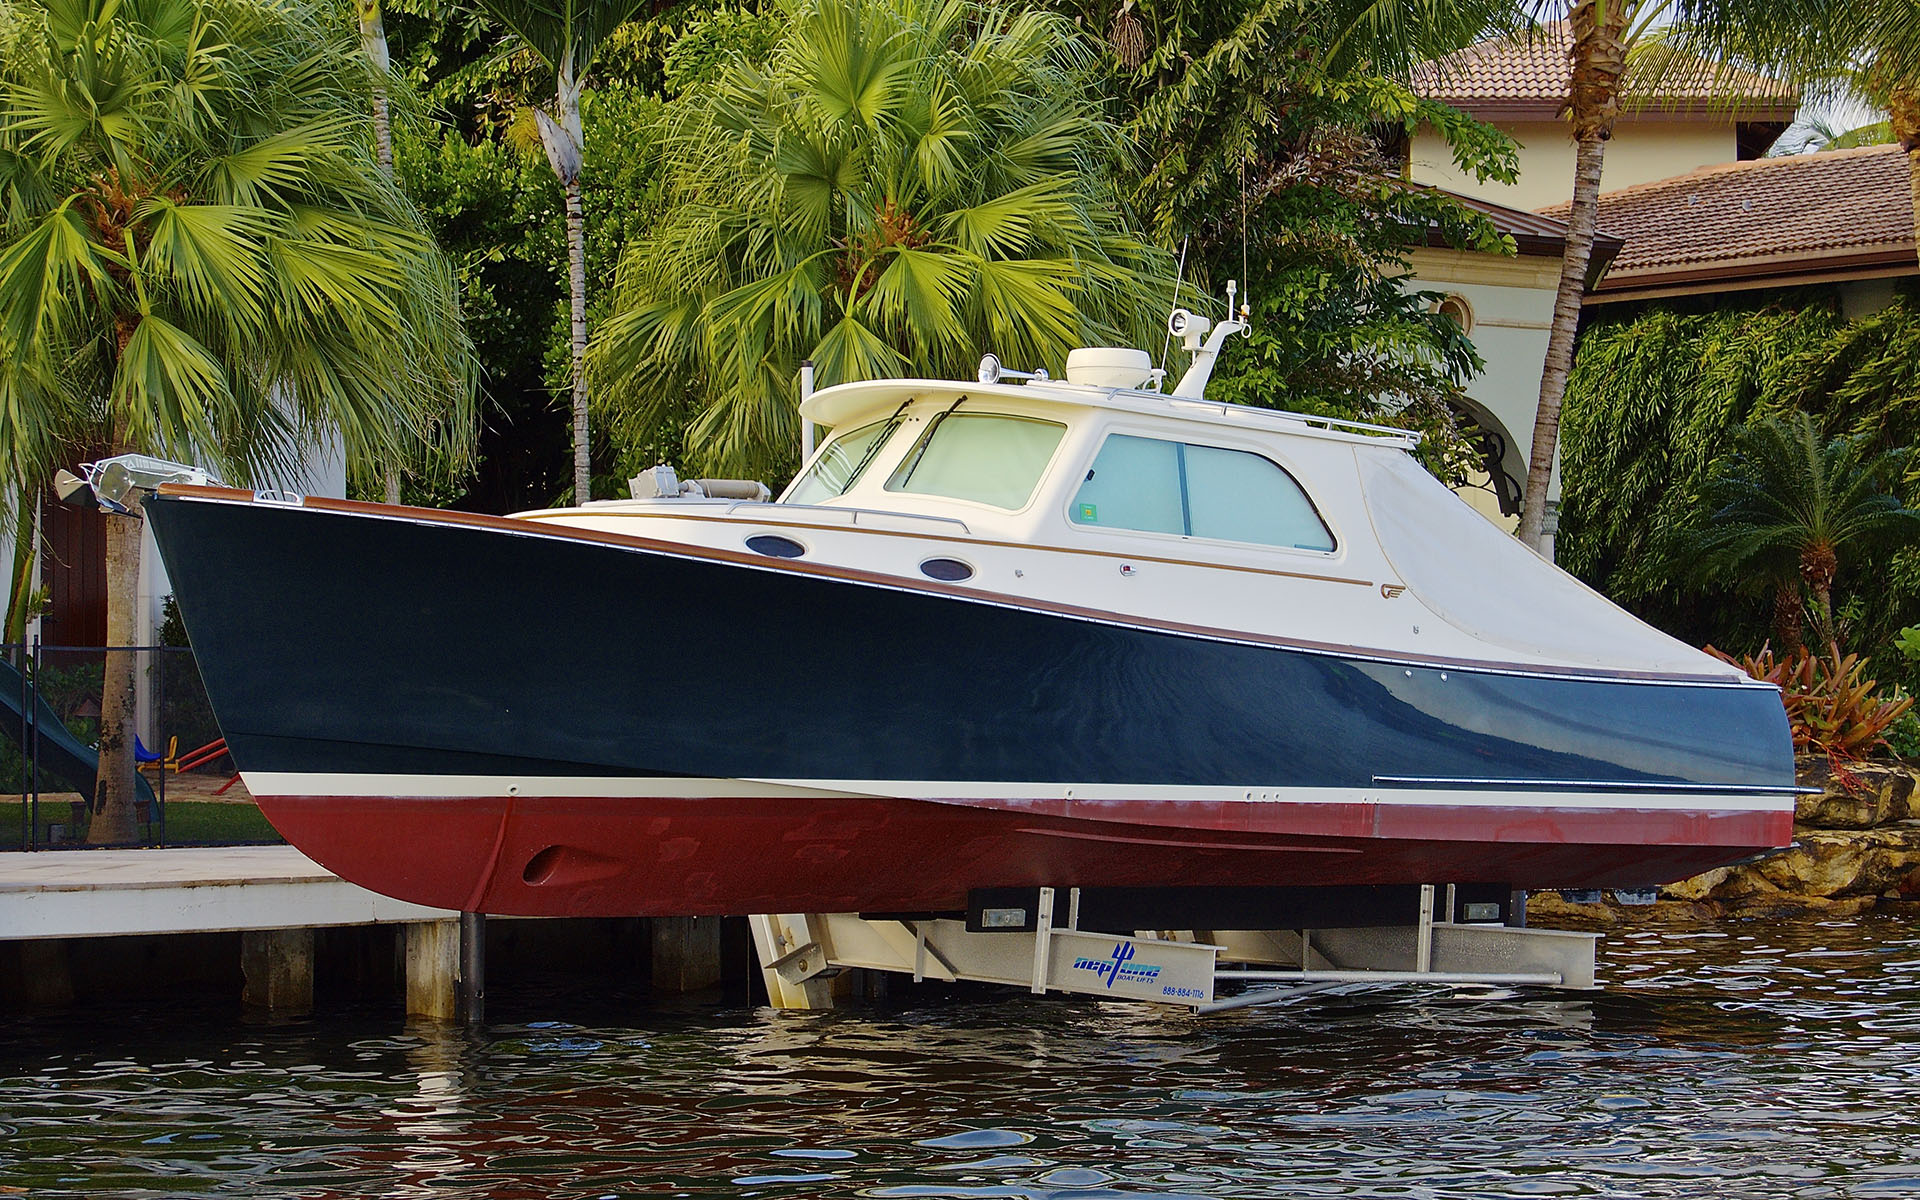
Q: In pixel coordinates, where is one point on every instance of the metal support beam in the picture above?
(1454, 954)
(800, 952)
(797, 949)
(1423, 939)
(1514, 979)
(473, 967)
(792, 962)
(1265, 996)
(1042, 941)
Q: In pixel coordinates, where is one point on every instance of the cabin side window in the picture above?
(990, 458)
(840, 464)
(1197, 491)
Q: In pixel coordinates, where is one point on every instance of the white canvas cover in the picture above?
(1488, 584)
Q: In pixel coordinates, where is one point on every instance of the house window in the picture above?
(986, 457)
(1197, 491)
(1457, 310)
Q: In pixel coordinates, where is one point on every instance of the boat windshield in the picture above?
(988, 457)
(840, 464)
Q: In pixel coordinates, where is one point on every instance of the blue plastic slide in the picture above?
(61, 755)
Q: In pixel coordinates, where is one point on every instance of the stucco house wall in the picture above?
(1509, 306)
(1640, 151)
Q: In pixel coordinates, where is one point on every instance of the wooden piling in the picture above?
(432, 956)
(686, 953)
(278, 967)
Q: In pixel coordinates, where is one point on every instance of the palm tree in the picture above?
(905, 184)
(1795, 40)
(51, 420)
(1784, 506)
(198, 249)
(373, 43)
(567, 36)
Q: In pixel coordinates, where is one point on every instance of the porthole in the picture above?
(947, 570)
(775, 546)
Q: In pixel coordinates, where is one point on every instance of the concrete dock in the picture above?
(109, 893)
(274, 896)
(276, 899)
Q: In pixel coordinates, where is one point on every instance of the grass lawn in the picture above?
(189, 823)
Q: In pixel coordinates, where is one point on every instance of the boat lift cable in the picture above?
(1179, 277)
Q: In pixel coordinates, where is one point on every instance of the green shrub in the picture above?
(1903, 736)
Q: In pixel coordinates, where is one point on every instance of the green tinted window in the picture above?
(1241, 497)
(1198, 491)
(988, 457)
(1134, 484)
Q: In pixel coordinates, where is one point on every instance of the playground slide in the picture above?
(63, 756)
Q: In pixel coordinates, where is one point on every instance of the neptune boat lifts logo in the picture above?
(1120, 968)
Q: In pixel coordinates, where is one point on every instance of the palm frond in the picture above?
(194, 222)
(906, 183)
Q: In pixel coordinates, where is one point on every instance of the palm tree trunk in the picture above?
(382, 129)
(373, 40)
(577, 282)
(1599, 59)
(1903, 112)
(26, 546)
(1818, 565)
(1789, 614)
(113, 822)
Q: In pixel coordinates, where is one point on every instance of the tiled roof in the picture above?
(1529, 76)
(1540, 234)
(1765, 219)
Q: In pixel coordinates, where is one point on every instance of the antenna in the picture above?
(1166, 347)
(1247, 309)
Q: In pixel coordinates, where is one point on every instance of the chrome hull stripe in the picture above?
(1678, 796)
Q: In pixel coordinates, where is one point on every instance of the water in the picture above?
(1747, 1060)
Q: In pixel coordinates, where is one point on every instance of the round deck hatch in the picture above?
(947, 570)
(775, 546)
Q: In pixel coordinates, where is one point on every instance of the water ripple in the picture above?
(1762, 1060)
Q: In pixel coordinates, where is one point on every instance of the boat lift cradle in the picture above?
(801, 954)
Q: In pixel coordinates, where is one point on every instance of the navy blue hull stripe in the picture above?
(332, 642)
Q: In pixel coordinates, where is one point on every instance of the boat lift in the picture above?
(1032, 945)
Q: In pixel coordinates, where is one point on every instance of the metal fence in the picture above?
(184, 786)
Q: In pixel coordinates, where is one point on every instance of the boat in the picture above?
(1007, 632)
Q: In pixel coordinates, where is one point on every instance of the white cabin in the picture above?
(1126, 503)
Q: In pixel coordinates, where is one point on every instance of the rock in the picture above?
(1697, 888)
(1825, 870)
(1856, 845)
(1859, 796)
(1830, 862)
(1554, 911)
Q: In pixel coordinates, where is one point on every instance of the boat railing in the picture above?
(853, 514)
(1333, 424)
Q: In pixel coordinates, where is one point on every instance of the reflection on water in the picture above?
(1743, 1060)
